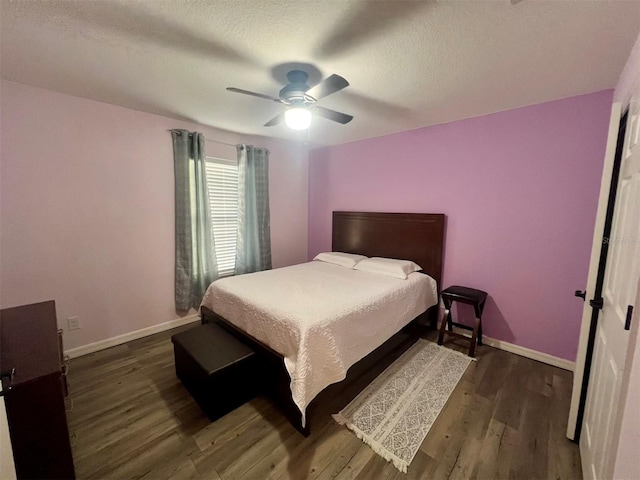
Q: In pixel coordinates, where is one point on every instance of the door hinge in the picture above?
(597, 303)
(627, 322)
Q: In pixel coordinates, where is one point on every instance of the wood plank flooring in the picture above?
(130, 417)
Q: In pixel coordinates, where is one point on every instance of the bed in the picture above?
(313, 321)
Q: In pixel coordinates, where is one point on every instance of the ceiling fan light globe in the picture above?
(297, 118)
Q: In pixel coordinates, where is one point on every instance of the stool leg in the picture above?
(478, 309)
(445, 319)
(472, 347)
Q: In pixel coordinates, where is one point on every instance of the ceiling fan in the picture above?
(301, 100)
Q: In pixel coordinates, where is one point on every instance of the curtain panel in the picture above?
(253, 252)
(195, 266)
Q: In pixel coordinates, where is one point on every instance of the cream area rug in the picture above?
(395, 412)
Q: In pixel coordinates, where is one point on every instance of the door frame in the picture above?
(597, 267)
(7, 465)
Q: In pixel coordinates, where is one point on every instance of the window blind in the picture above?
(222, 181)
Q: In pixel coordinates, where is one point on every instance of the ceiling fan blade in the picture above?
(332, 115)
(326, 87)
(253, 94)
(275, 120)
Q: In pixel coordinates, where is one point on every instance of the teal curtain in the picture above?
(196, 265)
(253, 251)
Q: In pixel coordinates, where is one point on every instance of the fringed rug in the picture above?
(395, 412)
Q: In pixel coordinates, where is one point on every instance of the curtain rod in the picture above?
(207, 139)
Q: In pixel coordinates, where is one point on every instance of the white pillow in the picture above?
(388, 266)
(348, 260)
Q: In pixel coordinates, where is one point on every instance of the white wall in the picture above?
(629, 76)
(87, 209)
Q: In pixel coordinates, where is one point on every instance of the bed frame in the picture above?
(410, 236)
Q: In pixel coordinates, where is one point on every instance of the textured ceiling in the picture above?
(410, 63)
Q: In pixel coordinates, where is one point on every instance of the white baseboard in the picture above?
(522, 351)
(127, 337)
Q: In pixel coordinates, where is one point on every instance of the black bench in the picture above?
(220, 371)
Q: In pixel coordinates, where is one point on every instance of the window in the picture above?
(222, 180)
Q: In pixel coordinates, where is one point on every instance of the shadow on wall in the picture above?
(494, 324)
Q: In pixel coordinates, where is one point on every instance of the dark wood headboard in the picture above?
(408, 236)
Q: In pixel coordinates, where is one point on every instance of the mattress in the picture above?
(322, 318)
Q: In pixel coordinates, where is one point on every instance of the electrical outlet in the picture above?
(73, 323)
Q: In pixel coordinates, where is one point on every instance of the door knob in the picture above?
(581, 293)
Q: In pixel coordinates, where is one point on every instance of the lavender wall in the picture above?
(520, 191)
(86, 209)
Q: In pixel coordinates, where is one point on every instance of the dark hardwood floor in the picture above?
(129, 417)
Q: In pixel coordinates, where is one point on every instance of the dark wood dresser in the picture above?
(34, 394)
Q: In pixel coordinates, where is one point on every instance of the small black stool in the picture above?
(470, 296)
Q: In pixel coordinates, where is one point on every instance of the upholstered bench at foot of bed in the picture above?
(220, 372)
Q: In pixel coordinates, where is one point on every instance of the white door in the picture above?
(619, 289)
(7, 468)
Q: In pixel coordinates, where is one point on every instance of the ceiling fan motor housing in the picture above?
(295, 91)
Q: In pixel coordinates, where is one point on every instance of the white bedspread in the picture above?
(322, 318)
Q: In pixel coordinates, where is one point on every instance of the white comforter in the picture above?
(321, 318)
